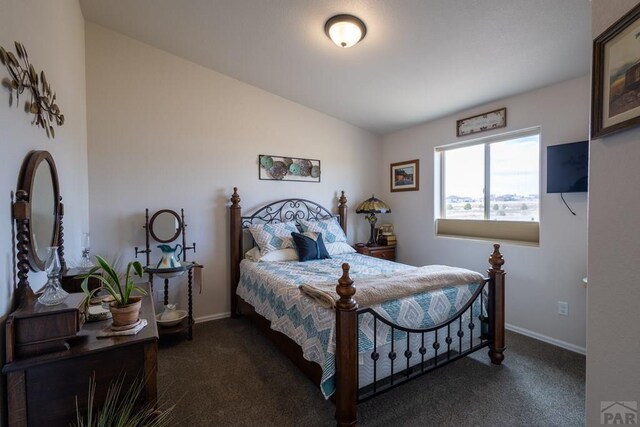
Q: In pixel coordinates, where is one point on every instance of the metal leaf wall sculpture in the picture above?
(23, 76)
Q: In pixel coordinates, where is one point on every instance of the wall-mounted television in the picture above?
(567, 167)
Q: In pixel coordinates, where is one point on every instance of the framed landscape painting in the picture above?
(615, 102)
(405, 176)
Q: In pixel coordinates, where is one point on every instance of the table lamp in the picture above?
(372, 206)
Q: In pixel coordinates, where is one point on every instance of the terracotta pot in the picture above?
(124, 315)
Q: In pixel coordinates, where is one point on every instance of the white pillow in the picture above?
(330, 229)
(274, 236)
(255, 255)
(339, 248)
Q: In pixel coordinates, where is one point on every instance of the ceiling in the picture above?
(420, 59)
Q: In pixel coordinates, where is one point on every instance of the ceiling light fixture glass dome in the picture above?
(345, 30)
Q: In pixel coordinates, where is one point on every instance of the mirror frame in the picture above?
(26, 182)
(178, 230)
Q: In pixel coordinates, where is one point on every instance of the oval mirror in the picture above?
(165, 226)
(40, 181)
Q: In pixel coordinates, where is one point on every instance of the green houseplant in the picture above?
(125, 307)
(121, 408)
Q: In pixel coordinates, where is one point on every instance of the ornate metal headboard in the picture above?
(287, 210)
(280, 211)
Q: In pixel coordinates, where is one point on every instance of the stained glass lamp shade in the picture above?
(371, 207)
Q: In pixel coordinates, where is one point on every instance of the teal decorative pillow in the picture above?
(273, 236)
(330, 229)
(310, 246)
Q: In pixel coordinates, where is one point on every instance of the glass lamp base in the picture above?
(52, 294)
(86, 263)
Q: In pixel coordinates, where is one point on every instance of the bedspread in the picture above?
(272, 289)
(377, 289)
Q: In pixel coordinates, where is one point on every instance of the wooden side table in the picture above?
(42, 390)
(187, 324)
(382, 252)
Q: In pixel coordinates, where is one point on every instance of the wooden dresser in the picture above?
(383, 252)
(42, 389)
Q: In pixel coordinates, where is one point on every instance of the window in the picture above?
(491, 180)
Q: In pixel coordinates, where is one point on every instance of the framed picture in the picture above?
(405, 176)
(482, 122)
(615, 96)
(281, 168)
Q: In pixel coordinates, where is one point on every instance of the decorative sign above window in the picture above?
(288, 168)
(482, 122)
(23, 76)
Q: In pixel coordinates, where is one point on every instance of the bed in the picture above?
(355, 353)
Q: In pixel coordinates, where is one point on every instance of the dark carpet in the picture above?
(232, 375)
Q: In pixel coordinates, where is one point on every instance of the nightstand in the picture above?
(382, 252)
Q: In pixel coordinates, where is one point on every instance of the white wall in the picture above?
(167, 133)
(613, 337)
(53, 34)
(537, 277)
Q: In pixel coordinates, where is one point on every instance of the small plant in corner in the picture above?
(120, 408)
(125, 306)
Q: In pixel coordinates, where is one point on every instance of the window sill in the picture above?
(518, 232)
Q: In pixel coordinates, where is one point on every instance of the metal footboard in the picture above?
(412, 352)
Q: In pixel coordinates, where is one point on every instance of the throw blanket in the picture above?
(378, 289)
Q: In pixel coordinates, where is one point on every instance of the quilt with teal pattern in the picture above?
(272, 288)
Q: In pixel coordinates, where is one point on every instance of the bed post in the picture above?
(342, 211)
(496, 306)
(235, 212)
(346, 350)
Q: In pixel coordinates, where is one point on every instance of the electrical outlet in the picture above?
(159, 295)
(563, 308)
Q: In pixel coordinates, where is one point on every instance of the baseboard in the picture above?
(544, 338)
(522, 331)
(212, 317)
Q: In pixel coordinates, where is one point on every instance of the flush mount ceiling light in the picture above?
(345, 30)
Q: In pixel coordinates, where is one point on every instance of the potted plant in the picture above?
(121, 408)
(125, 307)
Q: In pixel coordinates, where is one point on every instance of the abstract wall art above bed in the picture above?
(282, 168)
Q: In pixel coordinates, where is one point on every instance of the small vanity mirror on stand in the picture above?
(169, 229)
(165, 226)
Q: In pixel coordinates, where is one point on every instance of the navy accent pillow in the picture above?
(309, 246)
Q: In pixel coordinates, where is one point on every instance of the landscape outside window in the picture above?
(513, 180)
